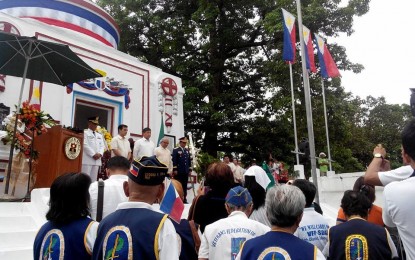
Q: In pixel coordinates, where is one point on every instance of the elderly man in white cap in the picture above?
(223, 238)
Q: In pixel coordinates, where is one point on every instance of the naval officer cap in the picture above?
(149, 171)
(183, 139)
(94, 120)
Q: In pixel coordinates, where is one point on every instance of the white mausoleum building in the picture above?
(132, 92)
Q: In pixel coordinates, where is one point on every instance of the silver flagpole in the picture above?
(307, 103)
(325, 120)
(294, 120)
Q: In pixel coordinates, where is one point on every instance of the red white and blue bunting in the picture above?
(109, 86)
(77, 15)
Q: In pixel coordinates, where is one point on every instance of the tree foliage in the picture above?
(238, 98)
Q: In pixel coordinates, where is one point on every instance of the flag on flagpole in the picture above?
(161, 133)
(309, 50)
(172, 204)
(288, 51)
(327, 65)
(35, 97)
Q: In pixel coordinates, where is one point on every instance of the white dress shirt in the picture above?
(397, 174)
(164, 156)
(143, 147)
(113, 195)
(398, 210)
(122, 145)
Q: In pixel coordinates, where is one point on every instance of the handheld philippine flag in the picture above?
(172, 204)
(288, 51)
(327, 65)
(309, 50)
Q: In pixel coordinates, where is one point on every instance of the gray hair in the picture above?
(233, 208)
(163, 139)
(284, 204)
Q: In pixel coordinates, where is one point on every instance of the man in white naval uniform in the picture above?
(93, 149)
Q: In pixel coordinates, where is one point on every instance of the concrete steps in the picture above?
(21, 253)
(14, 239)
(19, 224)
(16, 224)
(17, 231)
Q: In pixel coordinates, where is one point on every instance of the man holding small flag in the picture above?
(172, 204)
(136, 230)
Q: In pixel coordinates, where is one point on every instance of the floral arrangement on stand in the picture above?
(31, 123)
(107, 136)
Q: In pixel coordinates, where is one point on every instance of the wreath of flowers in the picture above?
(31, 123)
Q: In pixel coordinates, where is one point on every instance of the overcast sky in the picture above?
(383, 42)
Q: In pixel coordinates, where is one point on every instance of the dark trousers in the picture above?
(183, 179)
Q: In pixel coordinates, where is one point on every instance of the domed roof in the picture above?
(78, 15)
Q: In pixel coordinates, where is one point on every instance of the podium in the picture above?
(60, 151)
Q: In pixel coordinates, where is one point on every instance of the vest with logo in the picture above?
(62, 241)
(277, 245)
(129, 232)
(358, 239)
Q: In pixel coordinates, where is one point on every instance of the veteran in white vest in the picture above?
(93, 149)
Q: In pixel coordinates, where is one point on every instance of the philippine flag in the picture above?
(288, 51)
(35, 98)
(172, 204)
(309, 50)
(327, 65)
(134, 170)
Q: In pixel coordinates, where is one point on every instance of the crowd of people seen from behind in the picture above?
(237, 213)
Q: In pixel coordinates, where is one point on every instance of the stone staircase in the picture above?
(19, 223)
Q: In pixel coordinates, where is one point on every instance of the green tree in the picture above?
(383, 125)
(229, 52)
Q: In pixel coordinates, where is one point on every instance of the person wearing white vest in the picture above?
(93, 149)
